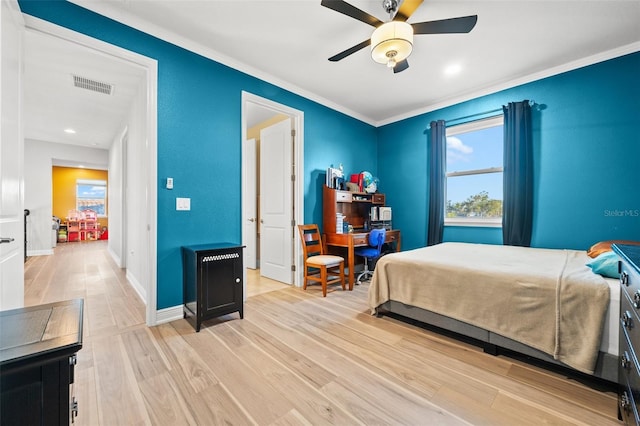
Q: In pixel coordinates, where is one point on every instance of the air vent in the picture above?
(93, 85)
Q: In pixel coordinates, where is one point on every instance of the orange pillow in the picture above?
(604, 246)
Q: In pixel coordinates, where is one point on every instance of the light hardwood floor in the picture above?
(295, 359)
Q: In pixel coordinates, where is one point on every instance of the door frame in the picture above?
(297, 118)
(249, 199)
(150, 66)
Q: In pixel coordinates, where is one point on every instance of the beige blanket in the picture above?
(547, 299)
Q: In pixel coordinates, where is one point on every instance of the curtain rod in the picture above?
(531, 103)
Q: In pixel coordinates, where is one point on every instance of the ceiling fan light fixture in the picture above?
(392, 42)
(392, 62)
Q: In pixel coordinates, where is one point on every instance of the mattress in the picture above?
(610, 333)
(543, 292)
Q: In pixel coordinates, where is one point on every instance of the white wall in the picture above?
(136, 199)
(115, 188)
(38, 197)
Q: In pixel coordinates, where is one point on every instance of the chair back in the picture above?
(376, 238)
(311, 240)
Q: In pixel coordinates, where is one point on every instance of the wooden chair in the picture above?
(317, 265)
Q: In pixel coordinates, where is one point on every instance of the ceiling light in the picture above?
(70, 131)
(453, 69)
(391, 43)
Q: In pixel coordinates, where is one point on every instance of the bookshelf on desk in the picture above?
(355, 206)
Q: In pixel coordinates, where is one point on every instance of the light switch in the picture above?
(183, 203)
(169, 183)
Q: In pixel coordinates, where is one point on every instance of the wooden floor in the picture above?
(295, 359)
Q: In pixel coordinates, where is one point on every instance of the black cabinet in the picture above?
(38, 347)
(212, 280)
(629, 368)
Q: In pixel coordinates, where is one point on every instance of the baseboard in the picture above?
(137, 287)
(169, 314)
(162, 315)
(115, 257)
(48, 252)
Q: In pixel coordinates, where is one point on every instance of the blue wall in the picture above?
(199, 132)
(586, 149)
(587, 153)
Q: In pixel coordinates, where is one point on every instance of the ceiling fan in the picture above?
(392, 41)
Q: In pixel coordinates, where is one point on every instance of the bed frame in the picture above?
(606, 367)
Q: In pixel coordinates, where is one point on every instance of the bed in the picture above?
(544, 303)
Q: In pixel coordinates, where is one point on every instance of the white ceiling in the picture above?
(288, 43)
(53, 104)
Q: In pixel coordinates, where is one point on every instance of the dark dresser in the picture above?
(212, 281)
(629, 367)
(38, 347)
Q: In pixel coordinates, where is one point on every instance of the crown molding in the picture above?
(569, 66)
(104, 9)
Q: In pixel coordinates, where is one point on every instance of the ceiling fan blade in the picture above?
(401, 66)
(463, 24)
(406, 9)
(352, 11)
(350, 51)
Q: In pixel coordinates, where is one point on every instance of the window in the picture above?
(473, 183)
(92, 195)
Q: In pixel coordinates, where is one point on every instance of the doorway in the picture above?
(280, 176)
(133, 188)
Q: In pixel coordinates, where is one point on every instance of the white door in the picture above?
(249, 200)
(11, 159)
(276, 202)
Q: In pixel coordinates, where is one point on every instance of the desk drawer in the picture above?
(360, 240)
(378, 199)
(344, 197)
(391, 238)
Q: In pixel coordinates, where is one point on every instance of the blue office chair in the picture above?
(371, 252)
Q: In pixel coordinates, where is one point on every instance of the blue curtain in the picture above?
(437, 164)
(517, 215)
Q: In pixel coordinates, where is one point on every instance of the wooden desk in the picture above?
(356, 239)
